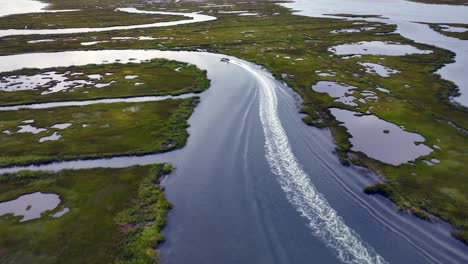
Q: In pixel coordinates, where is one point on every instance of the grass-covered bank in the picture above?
(94, 131)
(116, 216)
(156, 77)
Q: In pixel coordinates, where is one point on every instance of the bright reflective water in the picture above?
(379, 139)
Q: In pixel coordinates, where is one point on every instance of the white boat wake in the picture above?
(301, 193)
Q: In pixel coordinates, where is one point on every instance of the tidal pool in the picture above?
(95, 76)
(61, 213)
(376, 48)
(381, 140)
(328, 73)
(368, 96)
(30, 206)
(92, 43)
(30, 129)
(50, 82)
(55, 136)
(342, 92)
(62, 126)
(383, 90)
(248, 14)
(378, 69)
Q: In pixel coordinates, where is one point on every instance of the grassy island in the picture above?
(112, 216)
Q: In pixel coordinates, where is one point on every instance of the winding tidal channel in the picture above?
(254, 184)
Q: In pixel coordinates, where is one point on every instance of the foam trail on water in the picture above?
(301, 193)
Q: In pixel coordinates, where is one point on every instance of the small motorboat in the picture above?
(225, 60)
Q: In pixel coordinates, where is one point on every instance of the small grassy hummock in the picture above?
(94, 131)
(115, 216)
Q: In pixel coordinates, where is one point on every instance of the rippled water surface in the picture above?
(342, 92)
